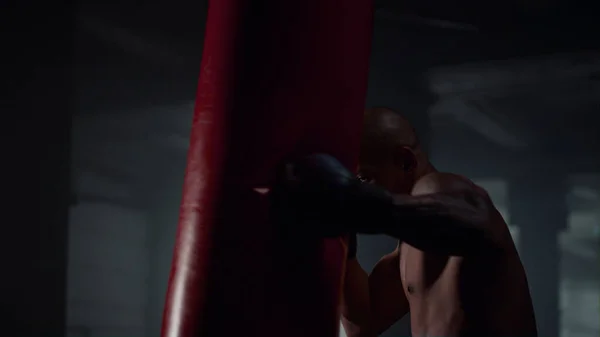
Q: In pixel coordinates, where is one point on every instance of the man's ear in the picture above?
(405, 158)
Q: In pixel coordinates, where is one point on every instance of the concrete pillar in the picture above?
(36, 104)
(538, 206)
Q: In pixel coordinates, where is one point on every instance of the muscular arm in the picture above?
(373, 303)
(454, 216)
(355, 300)
(445, 214)
(388, 301)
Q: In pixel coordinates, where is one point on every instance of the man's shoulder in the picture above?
(440, 182)
(436, 182)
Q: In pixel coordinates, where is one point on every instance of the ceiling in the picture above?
(136, 42)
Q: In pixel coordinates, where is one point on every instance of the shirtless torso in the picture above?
(483, 295)
(464, 279)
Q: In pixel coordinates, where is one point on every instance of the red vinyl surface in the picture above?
(277, 78)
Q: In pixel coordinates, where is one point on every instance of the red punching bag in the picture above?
(277, 77)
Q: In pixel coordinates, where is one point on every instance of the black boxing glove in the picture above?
(307, 197)
(371, 208)
(318, 194)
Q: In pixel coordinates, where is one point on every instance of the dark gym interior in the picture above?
(505, 93)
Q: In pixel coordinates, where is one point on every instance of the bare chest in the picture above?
(422, 273)
(432, 285)
(445, 294)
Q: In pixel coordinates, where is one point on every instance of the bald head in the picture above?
(390, 155)
(384, 128)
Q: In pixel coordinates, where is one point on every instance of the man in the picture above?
(455, 269)
(483, 293)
